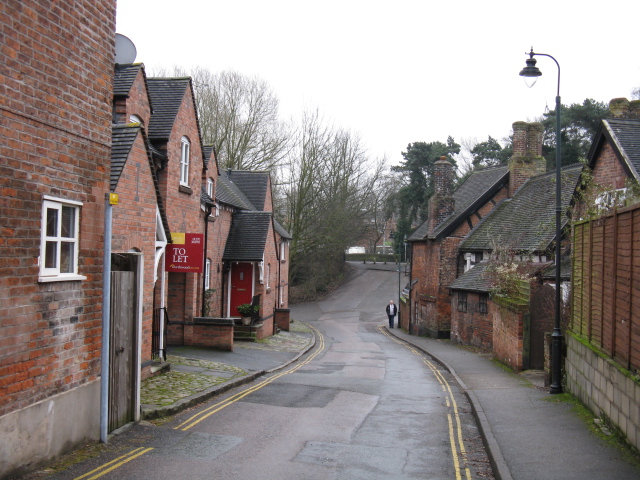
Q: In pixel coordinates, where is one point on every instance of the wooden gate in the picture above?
(122, 349)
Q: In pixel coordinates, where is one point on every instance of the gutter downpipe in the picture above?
(106, 321)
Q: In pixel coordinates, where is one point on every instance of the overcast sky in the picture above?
(400, 71)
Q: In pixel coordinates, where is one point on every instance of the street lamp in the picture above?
(531, 74)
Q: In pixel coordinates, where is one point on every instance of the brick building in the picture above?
(55, 145)
(502, 207)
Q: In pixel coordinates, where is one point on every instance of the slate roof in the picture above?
(473, 280)
(247, 236)
(253, 184)
(167, 95)
(624, 134)
(470, 195)
(123, 136)
(229, 193)
(525, 222)
(281, 230)
(123, 78)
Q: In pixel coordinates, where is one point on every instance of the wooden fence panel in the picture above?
(606, 279)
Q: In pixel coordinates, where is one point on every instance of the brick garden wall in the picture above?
(508, 336)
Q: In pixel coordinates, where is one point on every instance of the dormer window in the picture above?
(185, 154)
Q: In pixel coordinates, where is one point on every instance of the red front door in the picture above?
(241, 286)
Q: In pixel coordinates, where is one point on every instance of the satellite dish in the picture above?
(125, 50)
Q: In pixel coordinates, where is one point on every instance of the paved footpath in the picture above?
(529, 434)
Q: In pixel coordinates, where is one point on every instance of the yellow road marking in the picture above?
(455, 425)
(120, 461)
(207, 412)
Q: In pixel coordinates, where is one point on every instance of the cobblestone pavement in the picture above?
(195, 379)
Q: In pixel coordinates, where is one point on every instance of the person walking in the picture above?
(392, 310)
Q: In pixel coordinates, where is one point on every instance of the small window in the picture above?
(210, 187)
(59, 240)
(462, 301)
(482, 303)
(184, 161)
(268, 276)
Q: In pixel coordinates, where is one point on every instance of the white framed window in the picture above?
(60, 240)
(210, 187)
(207, 274)
(185, 154)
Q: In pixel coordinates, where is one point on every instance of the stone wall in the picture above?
(605, 388)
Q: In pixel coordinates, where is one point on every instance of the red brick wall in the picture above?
(471, 327)
(608, 171)
(55, 139)
(218, 233)
(134, 227)
(138, 100)
(183, 208)
(508, 336)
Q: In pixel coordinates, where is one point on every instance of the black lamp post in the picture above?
(531, 73)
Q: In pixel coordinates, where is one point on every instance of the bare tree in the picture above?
(239, 116)
(330, 183)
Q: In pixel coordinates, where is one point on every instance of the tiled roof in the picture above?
(123, 78)
(205, 198)
(247, 236)
(122, 138)
(470, 195)
(229, 193)
(473, 280)
(253, 184)
(626, 135)
(167, 95)
(281, 230)
(527, 221)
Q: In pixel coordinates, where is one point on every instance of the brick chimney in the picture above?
(526, 160)
(441, 203)
(623, 108)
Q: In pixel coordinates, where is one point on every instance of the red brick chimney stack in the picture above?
(441, 204)
(526, 160)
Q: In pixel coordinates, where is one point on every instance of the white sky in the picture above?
(400, 71)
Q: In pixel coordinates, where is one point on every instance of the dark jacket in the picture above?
(395, 310)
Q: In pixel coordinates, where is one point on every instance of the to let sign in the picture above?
(186, 253)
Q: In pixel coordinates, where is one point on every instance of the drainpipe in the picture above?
(106, 321)
(207, 213)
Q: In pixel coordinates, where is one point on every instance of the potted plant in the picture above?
(247, 310)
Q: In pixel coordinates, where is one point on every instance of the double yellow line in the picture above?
(458, 450)
(200, 416)
(207, 412)
(113, 464)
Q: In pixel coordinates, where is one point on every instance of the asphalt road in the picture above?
(360, 405)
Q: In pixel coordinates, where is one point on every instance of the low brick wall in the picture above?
(203, 332)
(604, 387)
(283, 319)
(265, 329)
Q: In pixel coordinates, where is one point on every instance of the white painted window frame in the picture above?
(53, 274)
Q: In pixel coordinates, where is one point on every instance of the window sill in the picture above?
(185, 189)
(61, 278)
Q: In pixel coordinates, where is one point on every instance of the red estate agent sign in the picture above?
(186, 253)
